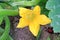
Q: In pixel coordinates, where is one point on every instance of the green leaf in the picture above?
(9, 38)
(0, 7)
(52, 4)
(6, 12)
(54, 14)
(1, 31)
(7, 29)
(4, 0)
(25, 3)
(42, 4)
(1, 19)
(15, 0)
(5, 5)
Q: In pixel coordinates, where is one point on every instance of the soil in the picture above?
(25, 34)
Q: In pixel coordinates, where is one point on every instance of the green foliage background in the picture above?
(54, 14)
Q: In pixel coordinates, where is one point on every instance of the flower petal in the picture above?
(37, 10)
(44, 20)
(22, 23)
(24, 11)
(34, 28)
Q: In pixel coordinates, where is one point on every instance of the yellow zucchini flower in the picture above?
(33, 19)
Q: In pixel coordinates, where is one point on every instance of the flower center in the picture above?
(30, 16)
